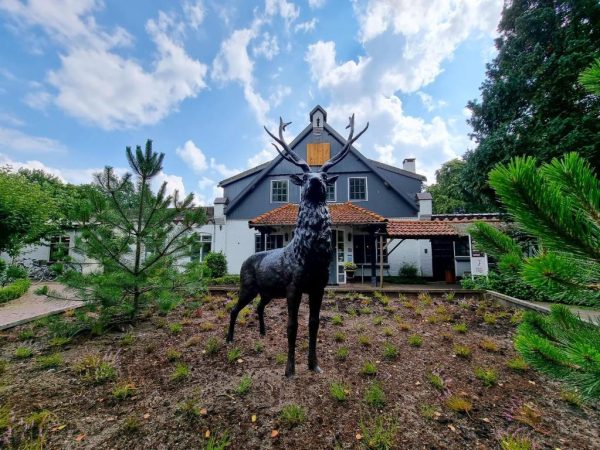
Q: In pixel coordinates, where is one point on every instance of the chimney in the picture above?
(219, 217)
(425, 205)
(409, 165)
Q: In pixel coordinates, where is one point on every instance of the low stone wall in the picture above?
(512, 301)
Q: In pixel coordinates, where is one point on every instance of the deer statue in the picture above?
(301, 267)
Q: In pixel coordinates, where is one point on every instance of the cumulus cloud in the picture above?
(192, 156)
(174, 183)
(222, 169)
(261, 157)
(195, 13)
(429, 102)
(268, 47)
(288, 11)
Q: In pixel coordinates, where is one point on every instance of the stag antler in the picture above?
(288, 154)
(337, 158)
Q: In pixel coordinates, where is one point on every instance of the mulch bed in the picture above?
(84, 414)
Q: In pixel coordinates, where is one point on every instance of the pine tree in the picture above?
(137, 238)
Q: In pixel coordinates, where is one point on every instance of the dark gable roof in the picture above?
(398, 170)
(263, 170)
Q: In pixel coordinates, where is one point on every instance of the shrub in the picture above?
(365, 340)
(42, 290)
(460, 328)
(337, 320)
(462, 351)
(50, 361)
(369, 368)
(212, 346)
(459, 404)
(226, 280)
(23, 353)
(339, 336)
(379, 433)
(234, 354)
(123, 390)
(408, 270)
(415, 340)
(436, 381)
(338, 391)
(487, 376)
(292, 415)
(217, 264)
(374, 395)
(180, 372)
(389, 351)
(342, 353)
(131, 424)
(14, 290)
(175, 328)
(244, 385)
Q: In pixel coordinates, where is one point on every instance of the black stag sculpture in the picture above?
(301, 267)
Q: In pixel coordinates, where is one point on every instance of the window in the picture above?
(279, 191)
(59, 247)
(271, 241)
(362, 250)
(357, 188)
(258, 247)
(318, 154)
(461, 246)
(201, 247)
(331, 193)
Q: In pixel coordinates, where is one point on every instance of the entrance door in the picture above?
(442, 258)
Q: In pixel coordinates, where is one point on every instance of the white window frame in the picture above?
(202, 239)
(334, 193)
(366, 189)
(271, 192)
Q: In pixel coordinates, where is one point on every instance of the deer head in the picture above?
(314, 184)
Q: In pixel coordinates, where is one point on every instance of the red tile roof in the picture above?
(419, 229)
(467, 218)
(341, 214)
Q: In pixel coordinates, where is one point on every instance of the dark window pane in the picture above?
(357, 188)
(279, 191)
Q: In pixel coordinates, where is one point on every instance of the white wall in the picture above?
(411, 251)
(238, 245)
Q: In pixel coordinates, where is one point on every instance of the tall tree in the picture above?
(448, 193)
(531, 101)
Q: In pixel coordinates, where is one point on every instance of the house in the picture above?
(376, 209)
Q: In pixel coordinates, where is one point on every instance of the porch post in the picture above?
(373, 258)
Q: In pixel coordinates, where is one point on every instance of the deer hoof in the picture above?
(315, 369)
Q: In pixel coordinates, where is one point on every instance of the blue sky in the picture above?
(82, 79)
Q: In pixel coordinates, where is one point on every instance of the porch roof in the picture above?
(341, 214)
(419, 229)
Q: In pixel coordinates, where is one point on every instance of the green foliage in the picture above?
(23, 353)
(379, 433)
(14, 290)
(462, 351)
(436, 381)
(459, 403)
(531, 101)
(337, 319)
(516, 442)
(292, 415)
(217, 264)
(448, 192)
(408, 270)
(415, 340)
(342, 353)
(390, 351)
(564, 347)
(212, 346)
(590, 77)
(338, 391)
(226, 279)
(219, 442)
(369, 368)
(460, 328)
(234, 354)
(94, 369)
(181, 372)
(487, 376)
(49, 361)
(374, 395)
(123, 391)
(244, 385)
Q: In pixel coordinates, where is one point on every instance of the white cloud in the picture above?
(288, 11)
(195, 13)
(174, 183)
(261, 157)
(11, 119)
(307, 26)
(206, 182)
(268, 47)
(325, 70)
(429, 102)
(192, 156)
(39, 99)
(316, 3)
(279, 94)
(19, 141)
(222, 169)
(386, 154)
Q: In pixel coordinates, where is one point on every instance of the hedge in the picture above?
(14, 290)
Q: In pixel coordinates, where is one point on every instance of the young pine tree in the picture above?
(137, 237)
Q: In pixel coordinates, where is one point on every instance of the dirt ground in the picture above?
(204, 405)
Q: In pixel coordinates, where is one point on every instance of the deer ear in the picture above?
(297, 179)
(331, 180)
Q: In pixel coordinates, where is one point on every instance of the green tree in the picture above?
(531, 102)
(448, 193)
(590, 78)
(138, 238)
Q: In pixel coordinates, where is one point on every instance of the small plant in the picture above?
(259, 347)
(365, 310)
(388, 331)
(59, 341)
(244, 385)
(369, 368)
(364, 340)
(127, 340)
(415, 340)
(234, 354)
(131, 424)
(404, 326)
(94, 369)
(374, 395)
(487, 376)
(193, 341)
(229, 305)
(378, 321)
(424, 298)
(528, 414)
(338, 391)
(188, 408)
(49, 361)
(382, 298)
(212, 346)
(515, 442)
(180, 372)
(427, 411)
(517, 317)
(339, 336)
(3, 366)
(460, 328)
(408, 304)
(123, 390)
(389, 351)
(379, 433)
(292, 415)
(26, 334)
(459, 403)
(490, 318)
(175, 328)
(488, 345)
(450, 296)
(42, 290)
(220, 442)
(517, 364)
(462, 351)
(23, 353)
(436, 381)
(337, 320)
(351, 311)
(173, 355)
(573, 398)
(342, 353)
(280, 358)
(207, 326)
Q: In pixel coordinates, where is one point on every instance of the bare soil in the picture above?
(86, 414)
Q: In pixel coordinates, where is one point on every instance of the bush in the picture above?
(505, 283)
(408, 271)
(217, 264)
(227, 279)
(15, 272)
(14, 290)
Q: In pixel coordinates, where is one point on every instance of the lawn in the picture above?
(399, 372)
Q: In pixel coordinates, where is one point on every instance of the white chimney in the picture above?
(409, 165)
(425, 205)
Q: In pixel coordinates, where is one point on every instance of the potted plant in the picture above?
(350, 268)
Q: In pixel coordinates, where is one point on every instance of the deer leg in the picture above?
(246, 297)
(261, 313)
(315, 300)
(293, 303)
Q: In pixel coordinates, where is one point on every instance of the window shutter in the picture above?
(317, 154)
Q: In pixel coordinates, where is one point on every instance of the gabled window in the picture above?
(357, 188)
(331, 197)
(279, 191)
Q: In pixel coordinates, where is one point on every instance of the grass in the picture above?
(180, 373)
(424, 298)
(338, 391)
(339, 336)
(436, 381)
(207, 326)
(490, 318)
(388, 331)
(389, 351)
(415, 340)
(127, 340)
(369, 368)
(3, 366)
(123, 390)
(259, 347)
(234, 354)
(487, 376)
(459, 403)
(517, 317)
(188, 408)
(131, 424)
(173, 355)
(59, 341)
(515, 442)
(379, 433)
(365, 310)
(573, 398)
(50, 361)
(462, 351)
(460, 328)
(342, 353)
(374, 395)
(377, 321)
(23, 353)
(280, 358)
(213, 345)
(365, 340)
(26, 334)
(337, 320)
(427, 411)
(517, 364)
(244, 385)
(220, 442)
(175, 328)
(292, 415)
(94, 369)
(4, 418)
(450, 296)
(488, 345)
